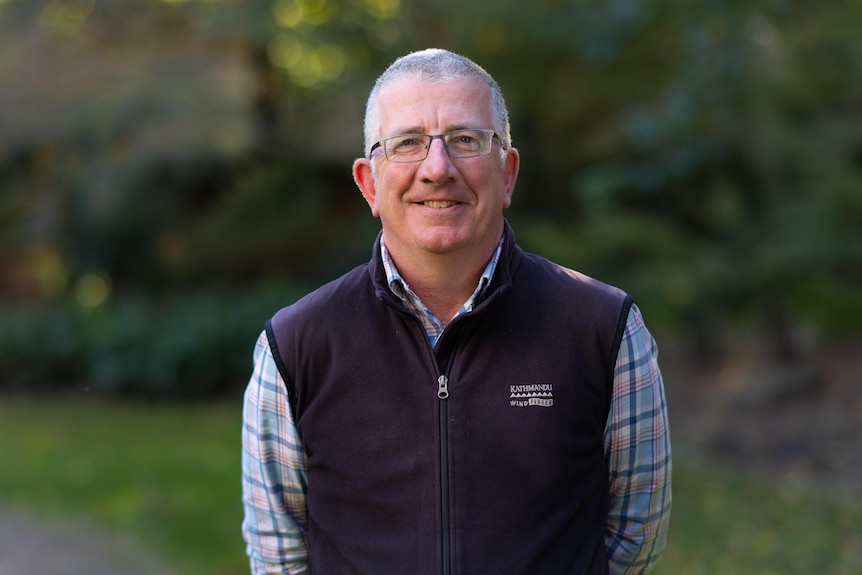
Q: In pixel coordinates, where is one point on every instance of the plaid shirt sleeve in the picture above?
(637, 450)
(274, 474)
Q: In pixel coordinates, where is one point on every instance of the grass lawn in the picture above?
(168, 476)
(727, 523)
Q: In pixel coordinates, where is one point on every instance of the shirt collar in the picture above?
(400, 288)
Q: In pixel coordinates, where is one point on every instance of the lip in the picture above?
(438, 204)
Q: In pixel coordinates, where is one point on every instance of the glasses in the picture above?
(458, 144)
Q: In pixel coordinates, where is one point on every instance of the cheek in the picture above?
(391, 184)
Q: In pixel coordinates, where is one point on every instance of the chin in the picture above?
(440, 244)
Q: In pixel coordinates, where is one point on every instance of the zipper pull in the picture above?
(442, 387)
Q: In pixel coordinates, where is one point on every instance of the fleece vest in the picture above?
(484, 455)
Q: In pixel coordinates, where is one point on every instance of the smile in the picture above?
(439, 204)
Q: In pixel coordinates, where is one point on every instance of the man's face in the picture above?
(440, 205)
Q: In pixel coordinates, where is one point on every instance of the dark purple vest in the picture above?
(505, 475)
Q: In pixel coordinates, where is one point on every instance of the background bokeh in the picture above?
(173, 171)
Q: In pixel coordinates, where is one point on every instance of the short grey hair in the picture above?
(434, 65)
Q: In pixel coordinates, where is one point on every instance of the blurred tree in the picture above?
(706, 156)
(683, 150)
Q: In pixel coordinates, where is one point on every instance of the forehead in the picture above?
(416, 105)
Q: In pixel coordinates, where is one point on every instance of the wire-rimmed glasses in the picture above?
(458, 144)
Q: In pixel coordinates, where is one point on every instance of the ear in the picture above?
(510, 175)
(362, 175)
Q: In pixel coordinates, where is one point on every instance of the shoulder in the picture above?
(313, 320)
(328, 298)
(555, 278)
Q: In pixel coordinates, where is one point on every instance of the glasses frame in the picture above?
(382, 144)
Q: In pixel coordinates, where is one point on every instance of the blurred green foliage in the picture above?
(706, 157)
(174, 346)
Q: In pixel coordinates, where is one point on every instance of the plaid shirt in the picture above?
(433, 326)
(636, 444)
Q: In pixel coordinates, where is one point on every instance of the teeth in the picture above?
(438, 204)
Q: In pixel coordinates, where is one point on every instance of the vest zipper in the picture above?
(442, 387)
(445, 515)
(443, 393)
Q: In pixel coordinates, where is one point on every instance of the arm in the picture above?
(637, 451)
(274, 474)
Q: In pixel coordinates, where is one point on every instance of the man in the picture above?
(456, 405)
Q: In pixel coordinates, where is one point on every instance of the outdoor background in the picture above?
(172, 172)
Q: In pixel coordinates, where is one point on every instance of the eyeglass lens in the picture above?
(458, 143)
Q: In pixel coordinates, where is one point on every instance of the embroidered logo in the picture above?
(537, 394)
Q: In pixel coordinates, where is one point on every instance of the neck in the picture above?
(443, 281)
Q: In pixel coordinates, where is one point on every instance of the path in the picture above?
(31, 547)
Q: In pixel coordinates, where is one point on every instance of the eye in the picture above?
(405, 146)
(465, 141)
(405, 143)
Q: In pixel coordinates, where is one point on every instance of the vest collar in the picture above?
(510, 259)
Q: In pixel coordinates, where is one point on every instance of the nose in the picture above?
(437, 166)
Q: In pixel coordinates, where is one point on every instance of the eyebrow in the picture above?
(410, 130)
(420, 130)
